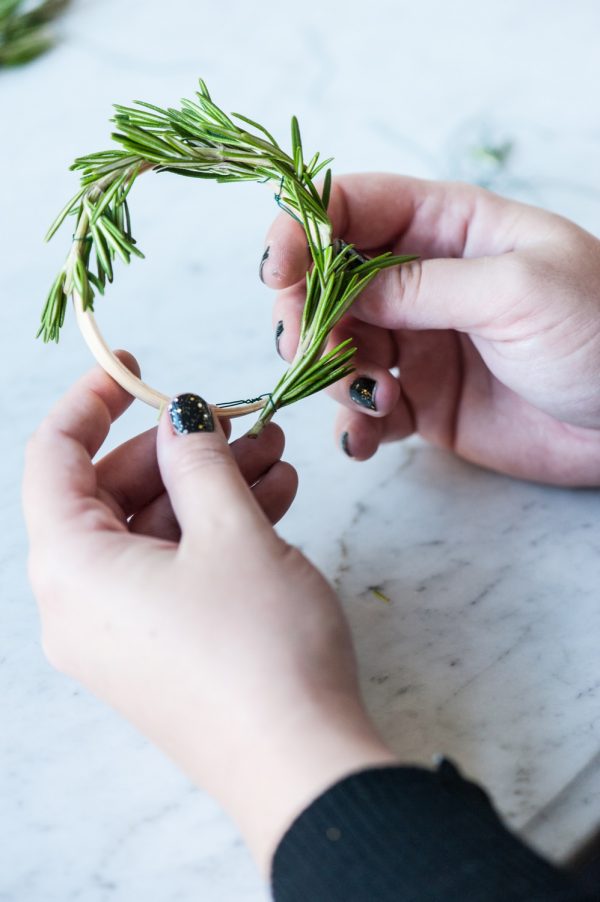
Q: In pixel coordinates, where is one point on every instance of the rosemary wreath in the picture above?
(201, 141)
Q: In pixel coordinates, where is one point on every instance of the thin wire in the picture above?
(283, 206)
(267, 395)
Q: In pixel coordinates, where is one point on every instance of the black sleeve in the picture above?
(410, 834)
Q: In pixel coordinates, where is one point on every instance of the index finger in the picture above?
(59, 477)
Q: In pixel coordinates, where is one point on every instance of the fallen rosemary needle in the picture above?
(378, 592)
(199, 140)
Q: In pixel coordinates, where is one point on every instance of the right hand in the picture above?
(495, 330)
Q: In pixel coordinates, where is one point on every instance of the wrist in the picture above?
(276, 776)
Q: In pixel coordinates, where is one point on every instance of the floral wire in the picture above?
(268, 395)
(283, 206)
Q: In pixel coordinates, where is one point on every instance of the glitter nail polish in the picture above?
(190, 413)
(362, 392)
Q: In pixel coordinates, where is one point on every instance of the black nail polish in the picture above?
(263, 260)
(190, 413)
(344, 443)
(362, 391)
(354, 256)
(278, 334)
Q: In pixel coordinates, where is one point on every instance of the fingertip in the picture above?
(172, 427)
(200, 473)
(285, 258)
(276, 490)
(256, 454)
(127, 358)
(357, 436)
(287, 317)
(288, 478)
(286, 339)
(274, 436)
(401, 422)
(374, 390)
(90, 406)
(370, 388)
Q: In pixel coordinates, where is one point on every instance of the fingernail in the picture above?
(362, 392)
(278, 334)
(355, 257)
(190, 413)
(263, 260)
(344, 443)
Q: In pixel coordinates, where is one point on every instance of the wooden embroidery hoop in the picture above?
(109, 362)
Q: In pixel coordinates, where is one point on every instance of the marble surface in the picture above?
(487, 647)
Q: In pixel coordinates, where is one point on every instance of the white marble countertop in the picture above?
(488, 648)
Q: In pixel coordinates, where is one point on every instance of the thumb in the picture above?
(205, 486)
(461, 294)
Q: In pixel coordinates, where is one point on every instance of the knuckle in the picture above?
(408, 285)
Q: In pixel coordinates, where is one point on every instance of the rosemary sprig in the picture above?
(199, 140)
(24, 32)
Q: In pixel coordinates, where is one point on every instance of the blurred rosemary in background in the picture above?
(24, 29)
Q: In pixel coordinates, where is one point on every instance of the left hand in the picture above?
(164, 589)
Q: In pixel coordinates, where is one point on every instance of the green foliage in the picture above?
(199, 140)
(24, 31)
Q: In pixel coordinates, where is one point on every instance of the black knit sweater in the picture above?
(409, 834)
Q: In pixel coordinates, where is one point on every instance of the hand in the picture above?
(164, 589)
(495, 330)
